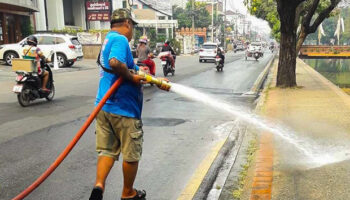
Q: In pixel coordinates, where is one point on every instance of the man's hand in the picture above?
(165, 87)
(137, 79)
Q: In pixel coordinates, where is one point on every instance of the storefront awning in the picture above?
(19, 8)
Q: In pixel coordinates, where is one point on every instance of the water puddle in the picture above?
(316, 154)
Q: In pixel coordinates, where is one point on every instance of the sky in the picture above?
(236, 5)
(240, 7)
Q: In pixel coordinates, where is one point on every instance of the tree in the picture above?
(306, 14)
(184, 16)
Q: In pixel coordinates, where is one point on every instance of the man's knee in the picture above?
(131, 162)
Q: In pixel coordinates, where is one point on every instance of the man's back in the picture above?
(127, 101)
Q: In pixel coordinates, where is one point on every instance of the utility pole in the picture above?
(193, 40)
(212, 21)
(225, 26)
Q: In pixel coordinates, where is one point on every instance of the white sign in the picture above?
(89, 38)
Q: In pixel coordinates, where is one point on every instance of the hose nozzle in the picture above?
(157, 81)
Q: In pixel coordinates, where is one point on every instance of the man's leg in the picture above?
(45, 79)
(151, 65)
(104, 166)
(129, 174)
(172, 61)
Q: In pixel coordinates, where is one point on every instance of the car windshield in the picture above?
(255, 44)
(209, 47)
(75, 41)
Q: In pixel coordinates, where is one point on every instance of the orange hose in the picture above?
(70, 146)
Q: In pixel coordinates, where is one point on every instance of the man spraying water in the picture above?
(118, 124)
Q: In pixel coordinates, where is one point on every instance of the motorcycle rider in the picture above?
(220, 52)
(143, 52)
(171, 57)
(31, 51)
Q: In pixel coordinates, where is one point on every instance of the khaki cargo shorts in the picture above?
(116, 134)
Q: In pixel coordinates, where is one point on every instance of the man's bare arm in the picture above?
(121, 69)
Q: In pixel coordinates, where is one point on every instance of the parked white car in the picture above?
(208, 52)
(67, 47)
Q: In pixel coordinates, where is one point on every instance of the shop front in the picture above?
(16, 22)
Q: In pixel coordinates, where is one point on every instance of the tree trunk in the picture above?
(301, 39)
(287, 58)
(287, 61)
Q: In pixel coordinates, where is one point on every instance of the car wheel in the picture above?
(61, 59)
(200, 61)
(205, 61)
(8, 57)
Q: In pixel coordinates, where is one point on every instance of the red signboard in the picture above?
(97, 6)
(98, 16)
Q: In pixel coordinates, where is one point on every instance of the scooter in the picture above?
(28, 86)
(166, 65)
(219, 64)
(257, 55)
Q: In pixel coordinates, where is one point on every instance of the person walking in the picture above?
(118, 124)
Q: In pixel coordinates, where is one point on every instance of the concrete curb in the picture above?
(207, 183)
(261, 78)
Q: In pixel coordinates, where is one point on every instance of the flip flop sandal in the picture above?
(96, 194)
(140, 195)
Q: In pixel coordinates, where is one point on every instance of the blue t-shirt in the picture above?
(127, 100)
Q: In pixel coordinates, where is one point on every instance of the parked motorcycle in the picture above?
(219, 64)
(28, 85)
(166, 64)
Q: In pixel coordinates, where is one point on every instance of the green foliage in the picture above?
(176, 46)
(250, 152)
(137, 34)
(267, 10)
(329, 25)
(26, 27)
(202, 17)
(182, 16)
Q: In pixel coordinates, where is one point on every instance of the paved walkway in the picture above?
(318, 112)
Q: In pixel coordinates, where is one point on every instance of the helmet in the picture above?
(167, 42)
(32, 40)
(143, 39)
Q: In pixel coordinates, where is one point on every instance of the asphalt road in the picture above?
(179, 133)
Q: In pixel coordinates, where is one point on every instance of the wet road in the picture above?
(179, 133)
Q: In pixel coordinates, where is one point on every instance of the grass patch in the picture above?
(347, 90)
(250, 152)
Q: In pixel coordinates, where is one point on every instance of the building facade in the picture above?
(150, 17)
(75, 14)
(16, 19)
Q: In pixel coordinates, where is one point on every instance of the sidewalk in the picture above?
(319, 111)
